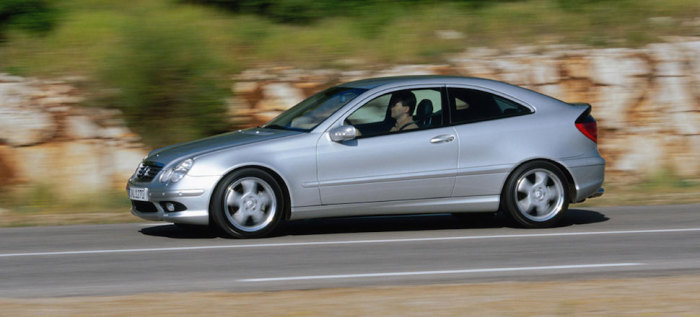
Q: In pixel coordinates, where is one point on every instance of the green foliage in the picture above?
(35, 16)
(575, 5)
(347, 32)
(305, 11)
(165, 62)
(168, 83)
(665, 179)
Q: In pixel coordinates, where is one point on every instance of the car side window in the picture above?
(399, 111)
(372, 112)
(471, 105)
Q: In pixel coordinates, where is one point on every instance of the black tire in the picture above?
(247, 203)
(536, 195)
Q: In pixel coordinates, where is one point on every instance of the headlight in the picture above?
(165, 176)
(174, 175)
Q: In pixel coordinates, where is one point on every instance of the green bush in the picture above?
(35, 16)
(305, 11)
(577, 5)
(165, 80)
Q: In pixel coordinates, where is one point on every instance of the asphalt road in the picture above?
(368, 251)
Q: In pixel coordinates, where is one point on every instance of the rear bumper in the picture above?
(598, 193)
(588, 175)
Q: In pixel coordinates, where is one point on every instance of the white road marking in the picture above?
(467, 271)
(349, 242)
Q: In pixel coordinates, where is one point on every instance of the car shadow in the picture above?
(178, 232)
(379, 224)
(398, 223)
(582, 217)
(423, 223)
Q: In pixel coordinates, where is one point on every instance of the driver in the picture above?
(401, 106)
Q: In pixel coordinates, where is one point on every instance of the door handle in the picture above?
(442, 139)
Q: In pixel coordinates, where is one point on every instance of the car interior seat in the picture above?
(424, 113)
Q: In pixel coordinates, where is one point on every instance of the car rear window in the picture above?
(471, 105)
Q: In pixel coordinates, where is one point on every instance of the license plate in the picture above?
(138, 194)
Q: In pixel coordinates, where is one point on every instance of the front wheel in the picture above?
(536, 195)
(247, 204)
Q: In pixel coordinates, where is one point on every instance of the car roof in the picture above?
(372, 83)
(521, 93)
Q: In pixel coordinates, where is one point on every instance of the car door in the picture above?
(415, 163)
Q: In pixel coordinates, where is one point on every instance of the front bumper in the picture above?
(188, 201)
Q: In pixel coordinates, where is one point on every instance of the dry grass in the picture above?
(621, 196)
(17, 219)
(659, 296)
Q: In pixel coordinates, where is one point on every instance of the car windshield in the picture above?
(309, 113)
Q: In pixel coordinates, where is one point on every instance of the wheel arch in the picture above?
(570, 183)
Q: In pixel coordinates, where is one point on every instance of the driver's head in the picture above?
(404, 101)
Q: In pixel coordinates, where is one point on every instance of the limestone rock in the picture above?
(22, 125)
(353, 75)
(408, 70)
(550, 90)
(477, 68)
(544, 71)
(673, 94)
(683, 159)
(615, 104)
(245, 87)
(646, 101)
(78, 167)
(81, 127)
(122, 162)
(513, 71)
(4, 78)
(669, 58)
(8, 171)
(575, 66)
(45, 138)
(280, 96)
(449, 34)
(642, 154)
(115, 133)
(615, 67)
(685, 123)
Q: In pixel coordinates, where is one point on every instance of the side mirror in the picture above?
(343, 133)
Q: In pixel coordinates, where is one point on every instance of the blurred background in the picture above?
(88, 87)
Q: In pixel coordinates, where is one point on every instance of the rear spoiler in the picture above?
(582, 104)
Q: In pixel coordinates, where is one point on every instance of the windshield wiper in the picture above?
(279, 127)
(275, 126)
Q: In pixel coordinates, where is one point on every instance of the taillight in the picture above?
(587, 125)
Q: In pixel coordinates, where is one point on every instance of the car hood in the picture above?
(179, 151)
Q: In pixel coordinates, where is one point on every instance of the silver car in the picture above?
(399, 145)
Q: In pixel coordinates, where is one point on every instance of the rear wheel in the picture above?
(248, 203)
(535, 195)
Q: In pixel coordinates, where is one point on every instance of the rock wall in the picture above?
(646, 101)
(46, 138)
